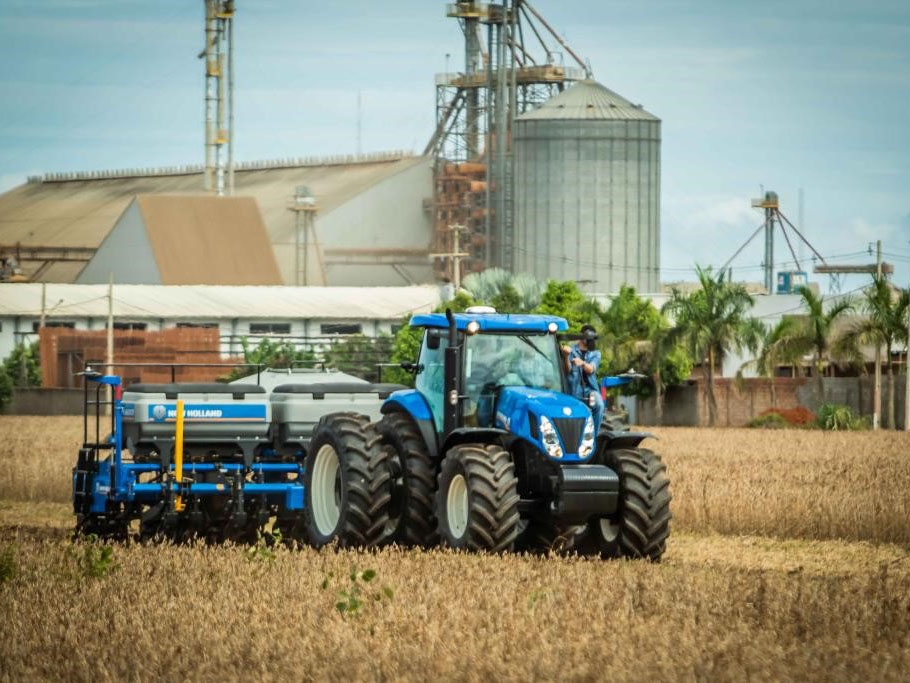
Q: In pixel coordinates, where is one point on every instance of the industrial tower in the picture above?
(504, 76)
(219, 96)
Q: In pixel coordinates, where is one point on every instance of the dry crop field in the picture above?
(789, 559)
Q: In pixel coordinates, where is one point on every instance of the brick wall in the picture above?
(65, 351)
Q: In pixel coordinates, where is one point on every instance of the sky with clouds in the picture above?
(802, 94)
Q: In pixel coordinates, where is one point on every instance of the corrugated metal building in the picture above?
(185, 240)
(587, 191)
(293, 313)
(372, 227)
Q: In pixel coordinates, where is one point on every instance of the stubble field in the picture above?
(789, 559)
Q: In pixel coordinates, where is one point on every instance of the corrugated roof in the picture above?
(78, 210)
(588, 100)
(209, 240)
(208, 302)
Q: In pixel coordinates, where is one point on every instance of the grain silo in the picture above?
(587, 191)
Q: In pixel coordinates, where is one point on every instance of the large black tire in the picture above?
(641, 525)
(348, 484)
(412, 515)
(477, 498)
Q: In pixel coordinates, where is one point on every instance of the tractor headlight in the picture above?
(550, 438)
(587, 439)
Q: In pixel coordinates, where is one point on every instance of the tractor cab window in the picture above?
(430, 379)
(493, 361)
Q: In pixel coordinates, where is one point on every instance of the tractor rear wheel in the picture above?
(412, 516)
(347, 483)
(477, 498)
(641, 524)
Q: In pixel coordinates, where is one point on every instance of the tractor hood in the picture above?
(519, 411)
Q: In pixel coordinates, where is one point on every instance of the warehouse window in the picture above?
(270, 328)
(54, 323)
(130, 326)
(204, 326)
(341, 328)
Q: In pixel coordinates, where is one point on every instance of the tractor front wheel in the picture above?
(347, 483)
(641, 524)
(477, 498)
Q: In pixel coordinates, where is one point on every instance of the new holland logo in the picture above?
(566, 411)
(159, 412)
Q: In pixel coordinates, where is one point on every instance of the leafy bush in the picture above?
(769, 420)
(96, 560)
(796, 417)
(836, 417)
(353, 597)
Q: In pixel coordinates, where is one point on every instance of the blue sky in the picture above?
(806, 94)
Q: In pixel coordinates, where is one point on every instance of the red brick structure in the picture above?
(64, 352)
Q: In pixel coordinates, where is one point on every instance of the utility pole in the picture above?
(877, 391)
(456, 255)
(110, 325)
(43, 306)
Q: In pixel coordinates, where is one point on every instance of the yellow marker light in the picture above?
(178, 454)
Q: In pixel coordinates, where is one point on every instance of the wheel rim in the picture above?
(457, 506)
(609, 529)
(325, 490)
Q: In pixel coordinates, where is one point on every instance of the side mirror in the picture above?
(414, 368)
(434, 336)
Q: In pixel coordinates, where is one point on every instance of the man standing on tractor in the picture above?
(582, 361)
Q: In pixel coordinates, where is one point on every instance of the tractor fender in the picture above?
(607, 439)
(485, 435)
(412, 402)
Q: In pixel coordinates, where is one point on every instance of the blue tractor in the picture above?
(489, 452)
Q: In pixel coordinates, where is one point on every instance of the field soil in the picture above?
(789, 559)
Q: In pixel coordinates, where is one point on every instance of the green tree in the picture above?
(818, 333)
(711, 321)
(884, 325)
(359, 355)
(504, 291)
(20, 369)
(269, 353)
(567, 301)
(781, 344)
(23, 365)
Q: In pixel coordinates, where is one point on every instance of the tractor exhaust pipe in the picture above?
(451, 409)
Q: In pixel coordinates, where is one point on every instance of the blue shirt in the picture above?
(581, 383)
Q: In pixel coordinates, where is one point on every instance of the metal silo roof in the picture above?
(589, 100)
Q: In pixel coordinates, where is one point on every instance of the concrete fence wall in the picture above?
(45, 401)
(738, 403)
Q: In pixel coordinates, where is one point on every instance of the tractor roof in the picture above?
(494, 322)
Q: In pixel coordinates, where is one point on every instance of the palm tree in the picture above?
(498, 287)
(883, 326)
(780, 345)
(713, 320)
(818, 332)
